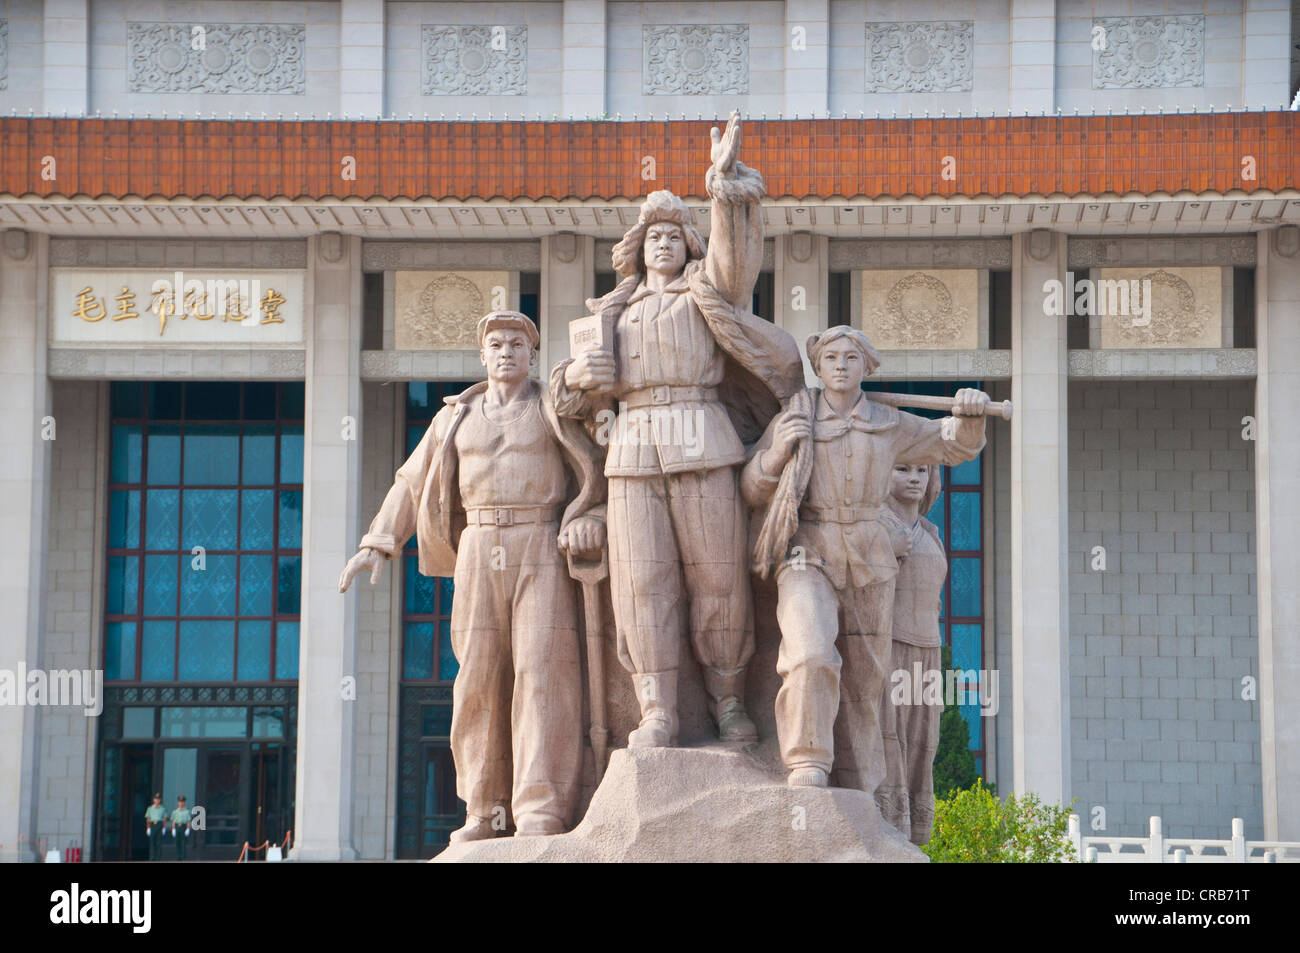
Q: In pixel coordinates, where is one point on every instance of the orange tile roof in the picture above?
(849, 158)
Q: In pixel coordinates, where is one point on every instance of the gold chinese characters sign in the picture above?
(151, 306)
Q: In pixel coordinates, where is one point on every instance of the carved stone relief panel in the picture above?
(1146, 52)
(438, 310)
(695, 59)
(4, 54)
(216, 58)
(921, 57)
(474, 60)
(1185, 307)
(921, 310)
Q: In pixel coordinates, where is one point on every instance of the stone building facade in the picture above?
(1145, 677)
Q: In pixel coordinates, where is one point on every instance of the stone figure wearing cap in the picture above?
(693, 375)
(823, 470)
(155, 816)
(498, 490)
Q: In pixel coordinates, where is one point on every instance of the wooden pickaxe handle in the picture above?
(997, 408)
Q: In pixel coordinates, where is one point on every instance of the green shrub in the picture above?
(954, 763)
(974, 826)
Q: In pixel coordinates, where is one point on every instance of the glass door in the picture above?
(219, 788)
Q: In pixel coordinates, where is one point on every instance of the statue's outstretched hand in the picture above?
(726, 146)
(365, 558)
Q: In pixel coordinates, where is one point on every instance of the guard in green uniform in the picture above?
(154, 817)
(180, 826)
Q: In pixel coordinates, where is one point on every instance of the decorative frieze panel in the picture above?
(921, 310)
(695, 59)
(4, 54)
(1146, 52)
(921, 57)
(1159, 308)
(392, 255)
(474, 60)
(858, 253)
(1188, 250)
(438, 310)
(216, 58)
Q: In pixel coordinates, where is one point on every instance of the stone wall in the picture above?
(1160, 641)
(66, 736)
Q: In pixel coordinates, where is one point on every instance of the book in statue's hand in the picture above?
(586, 334)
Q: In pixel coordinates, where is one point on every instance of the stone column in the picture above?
(1040, 604)
(66, 52)
(1033, 56)
(361, 58)
(331, 528)
(24, 514)
(802, 288)
(807, 57)
(583, 53)
(568, 280)
(1277, 514)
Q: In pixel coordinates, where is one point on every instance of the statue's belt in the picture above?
(511, 515)
(667, 394)
(838, 514)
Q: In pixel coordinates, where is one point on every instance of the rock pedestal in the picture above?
(716, 803)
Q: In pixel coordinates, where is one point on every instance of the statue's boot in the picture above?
(726, 690)
(476, 828)
(657, 693)
(537, 824)
(807, 776)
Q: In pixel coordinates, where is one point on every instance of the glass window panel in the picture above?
(128, 451)
(255, 578)
(124, 519)
(254, 651)
(209, 518)
(972, 715)
(165, 400)
(259, 400)
(286, 650)
(212, 400)
(417, 654)
(161, 585)
(447, 664)
(212, 455)
(208, 591)
(123, 585)
(419, 395)
(291, 400)
(966, 648)
(119, 650)
(162, 519)
(966, 586)
(414, 434)
(965, 474)
(291, 519)
(257, 519)
(964, 512)
(165, 455)
(125, 397)
(447, 586)
(435, 722)
(259, 456)
(289, 585)
(158, 651)
(291, 455)
(137, 722)
(421, 591)
(268, 722)
(207, 650)
(204, 721)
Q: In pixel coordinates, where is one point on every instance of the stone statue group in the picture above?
(515, 487)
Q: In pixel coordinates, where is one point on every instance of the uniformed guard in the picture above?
(155, 816)
(180, 826)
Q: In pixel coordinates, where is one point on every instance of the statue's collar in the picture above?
(678, 285)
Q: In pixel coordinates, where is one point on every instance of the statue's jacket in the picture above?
(425, 496)
(839, 529)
